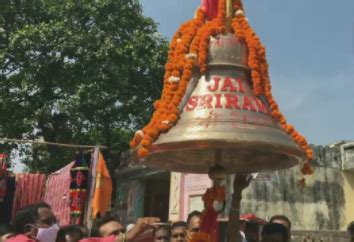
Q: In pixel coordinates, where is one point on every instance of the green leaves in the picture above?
(77, 72)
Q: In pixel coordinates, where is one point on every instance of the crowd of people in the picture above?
(38, 223)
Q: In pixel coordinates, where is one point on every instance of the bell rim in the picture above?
(163, 156)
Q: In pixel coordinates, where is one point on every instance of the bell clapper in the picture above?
(218, 174)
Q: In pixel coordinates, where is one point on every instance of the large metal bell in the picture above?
(223, 123)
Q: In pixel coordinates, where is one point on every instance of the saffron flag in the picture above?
(103, 191)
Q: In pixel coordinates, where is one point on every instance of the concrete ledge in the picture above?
(319, 236)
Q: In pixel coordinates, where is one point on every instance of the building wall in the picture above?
(141, 192)
(320, 205)
(319, 236)
(156, 199)
(326, 202)
(129, 202)
(185, 194)
(349, 196)
(175, 197)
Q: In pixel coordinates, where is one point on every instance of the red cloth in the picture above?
(106, 239)
(209, 223)
(20, 238)
(210, 7)
(248, 217)
(29, 190)
(57, 194)
(253, 218)
(3, 177)
(3, 184)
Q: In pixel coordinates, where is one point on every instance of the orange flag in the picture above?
(103, 191)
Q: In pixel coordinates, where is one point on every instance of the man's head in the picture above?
(281, 219)
(350, 230)
(26, 221)
(252, 232)
(35, 221)
(45, 214)
(70, 233)
(106, 226)
(179, 232)
(85, 230)
(162, 234)
(273, 232)
(193, 222)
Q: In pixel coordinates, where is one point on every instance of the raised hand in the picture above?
(241, 181)
(145, 223)
(140, 226)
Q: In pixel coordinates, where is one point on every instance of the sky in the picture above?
(310, 49)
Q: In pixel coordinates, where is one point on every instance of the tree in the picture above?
(76, 72)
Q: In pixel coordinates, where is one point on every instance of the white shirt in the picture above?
(243, 236)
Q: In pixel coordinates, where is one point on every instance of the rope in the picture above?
(26, 141)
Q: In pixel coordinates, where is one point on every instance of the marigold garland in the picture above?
(188, 50)
(261, 83)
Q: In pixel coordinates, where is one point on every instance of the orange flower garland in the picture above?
(166, 109)
(188, 49)
(261, 84)
(178, 73)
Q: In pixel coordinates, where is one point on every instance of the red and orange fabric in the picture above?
(78, 189)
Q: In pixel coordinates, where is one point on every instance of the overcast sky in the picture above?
(310, 47)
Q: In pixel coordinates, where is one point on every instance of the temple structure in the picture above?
(324, 206)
